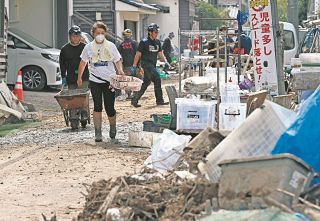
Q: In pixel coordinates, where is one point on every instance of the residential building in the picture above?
(45, 20)
(167, 17)
(85, 13)
(135, 15)
(187, 18)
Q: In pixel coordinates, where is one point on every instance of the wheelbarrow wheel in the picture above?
(74, 124)
(84, 123)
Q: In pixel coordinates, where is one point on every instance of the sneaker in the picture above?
(162, 103)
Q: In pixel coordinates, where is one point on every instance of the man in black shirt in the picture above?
(69, 62)
(167, 47)
(127, 50)
(70, 58)
(148, 51)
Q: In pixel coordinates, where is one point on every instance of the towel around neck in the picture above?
(104, 56)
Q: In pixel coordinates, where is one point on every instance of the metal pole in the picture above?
(239, 49)
(226, 56)
(180, 61)
(218, 77)
(278, 47)
(239, 44)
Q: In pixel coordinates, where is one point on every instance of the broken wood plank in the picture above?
(107, 202)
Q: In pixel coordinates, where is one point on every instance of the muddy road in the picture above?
(45, 169)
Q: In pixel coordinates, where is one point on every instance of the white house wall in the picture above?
(130, 16)
(38, 23)
(168, 22)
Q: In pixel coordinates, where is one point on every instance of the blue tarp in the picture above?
(302, 138)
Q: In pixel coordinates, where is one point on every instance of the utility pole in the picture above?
(278, 47)
(293, 14)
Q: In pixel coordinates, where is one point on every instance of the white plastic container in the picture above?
(231, 115)
(195, 114)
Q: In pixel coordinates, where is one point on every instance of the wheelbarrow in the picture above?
(75, 107)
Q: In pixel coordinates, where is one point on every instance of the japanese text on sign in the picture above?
(263, 45)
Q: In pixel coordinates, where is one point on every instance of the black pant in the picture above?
(150, 75)
(99, 91)
(168, 57)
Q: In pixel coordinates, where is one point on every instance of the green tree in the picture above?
(282, 10)
(206, 10)
(303, 10)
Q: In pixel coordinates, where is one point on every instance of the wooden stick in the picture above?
(220, 47)
(301, 199)
(107, 202)
(273, 202)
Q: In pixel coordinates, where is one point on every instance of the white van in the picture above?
(290, 43)
(38, 62)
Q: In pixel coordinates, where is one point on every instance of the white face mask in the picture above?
(99, 38)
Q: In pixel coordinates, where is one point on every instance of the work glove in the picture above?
(133, 70)
(64, 81)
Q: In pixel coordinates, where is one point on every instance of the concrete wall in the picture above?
(35, 17)
(168, 22)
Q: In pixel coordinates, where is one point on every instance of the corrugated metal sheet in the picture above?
(89, 10)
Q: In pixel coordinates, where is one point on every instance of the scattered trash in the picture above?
(256, 136)
(167, 151)
(142, 138)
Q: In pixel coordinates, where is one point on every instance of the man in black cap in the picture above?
(148, 51)
(69, 60)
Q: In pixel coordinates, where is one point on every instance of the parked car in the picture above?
(38, 62)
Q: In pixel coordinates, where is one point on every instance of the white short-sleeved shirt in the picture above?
(102, 69)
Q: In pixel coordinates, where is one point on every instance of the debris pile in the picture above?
(149, 199)
(238, 173)
(179, 195)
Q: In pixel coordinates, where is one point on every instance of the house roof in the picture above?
(162, 8)
(140, 4)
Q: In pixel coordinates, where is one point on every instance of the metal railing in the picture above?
(89, 21)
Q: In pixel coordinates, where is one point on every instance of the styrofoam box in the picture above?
(193, 114)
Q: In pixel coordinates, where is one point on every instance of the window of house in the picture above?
(288, 40)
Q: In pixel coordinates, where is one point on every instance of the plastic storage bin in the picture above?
(245, 183)
(193, 114)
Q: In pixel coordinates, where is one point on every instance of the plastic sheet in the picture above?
(302, 137)
(167, 150)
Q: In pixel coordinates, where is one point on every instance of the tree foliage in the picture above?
(282, 9)
(206, 10)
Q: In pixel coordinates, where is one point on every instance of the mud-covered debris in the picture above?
(155, 198)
